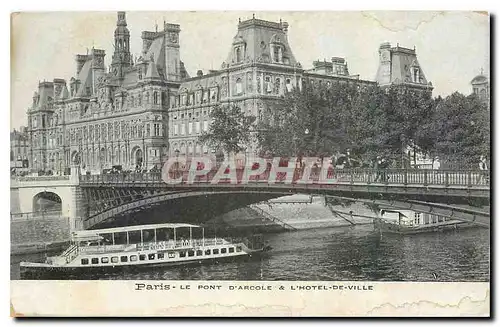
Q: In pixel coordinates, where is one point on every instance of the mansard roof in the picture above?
(205, 82)
(257, 36)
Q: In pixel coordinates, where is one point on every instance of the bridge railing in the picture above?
(36, 215)
(42, 178)
(423, 177)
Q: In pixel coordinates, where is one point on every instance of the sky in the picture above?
(452, 47)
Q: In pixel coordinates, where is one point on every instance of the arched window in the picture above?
(268, 84)
(239, 87)
(190, 148)
(288, 85)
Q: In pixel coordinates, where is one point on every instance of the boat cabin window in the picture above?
(104, 260)
(238, 249)
(161, 256)
(114, 259)
(85, 261)
(223, 250)
(107, 239)
(216, 251)
(142, 257)
(199, 252)
(164, 234)
(231, 250)
(151, 256)
(148, 235)
(133, 258)
(208, 252)
(95, 261)
(191, 253)
(134, 237)
(121, 238)
(182, 254)
(123, 258)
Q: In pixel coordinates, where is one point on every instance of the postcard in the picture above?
(259, 164)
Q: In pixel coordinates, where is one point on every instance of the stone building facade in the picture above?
(19, 149)
(140, 111)
(109, 117)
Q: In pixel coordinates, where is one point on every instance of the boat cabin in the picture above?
(410, 218)
(143, 237)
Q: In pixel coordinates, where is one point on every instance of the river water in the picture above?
(357, 253)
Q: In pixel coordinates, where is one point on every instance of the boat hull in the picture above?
(49, 272)
(387, 227)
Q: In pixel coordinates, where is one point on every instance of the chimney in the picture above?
(284, 26)
(80, 61)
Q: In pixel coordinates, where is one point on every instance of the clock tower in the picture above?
(172, 54)
(121, 57)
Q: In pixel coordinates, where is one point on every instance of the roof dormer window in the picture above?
(416, 75)
(276, 53)
(238, 54)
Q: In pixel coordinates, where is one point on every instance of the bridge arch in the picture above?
(245, 198)
(47, 202)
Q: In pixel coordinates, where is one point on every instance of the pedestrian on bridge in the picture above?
(483, 167)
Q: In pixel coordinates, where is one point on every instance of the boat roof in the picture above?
(403, 212)
(84, 233)
(83, 238)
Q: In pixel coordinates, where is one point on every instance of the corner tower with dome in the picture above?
(481, 86)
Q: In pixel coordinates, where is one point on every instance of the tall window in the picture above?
(205, 125)
(157, 129)
(416, 75)
(239, 87)
(176, 129)
(238, 54)
(183, 129)
(190, 128)
(276, 53)
(155, 97)
(277, 86)
(197, 127)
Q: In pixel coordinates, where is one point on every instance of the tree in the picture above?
(230, 130)
(459, 129)
(307, 122)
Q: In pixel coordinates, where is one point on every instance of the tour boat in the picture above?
(101, 250)
(410, 222)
